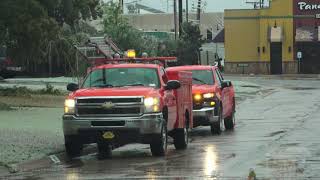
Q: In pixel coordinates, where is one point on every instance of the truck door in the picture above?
(225, 95)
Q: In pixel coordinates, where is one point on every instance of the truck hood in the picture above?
(123, 91)
(201, 89)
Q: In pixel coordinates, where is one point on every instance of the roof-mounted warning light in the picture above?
(131, 53)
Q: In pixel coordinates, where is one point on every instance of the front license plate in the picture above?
(108, 135)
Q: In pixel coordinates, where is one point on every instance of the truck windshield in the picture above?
(202, 77)
(121, 77)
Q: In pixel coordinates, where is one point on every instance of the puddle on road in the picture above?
(289, 145)
(282, 165)
(302, 88)
(250, 86)
(275, 133)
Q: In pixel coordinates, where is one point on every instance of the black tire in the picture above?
(159, 145)
(216, 126)
(104, 150)
(181, 138)
(73, 147)
(229, 122)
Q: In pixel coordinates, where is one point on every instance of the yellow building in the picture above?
(260, 41)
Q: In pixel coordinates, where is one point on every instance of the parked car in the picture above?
(7, 69)
(213, 98)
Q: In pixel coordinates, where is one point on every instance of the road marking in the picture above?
(54, 159)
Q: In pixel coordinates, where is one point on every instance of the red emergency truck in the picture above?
(214, 102)
(132, 100)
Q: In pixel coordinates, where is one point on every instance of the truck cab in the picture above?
(213, 98)
(123, 103)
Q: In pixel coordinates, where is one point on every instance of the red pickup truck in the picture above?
(124, 103)
(213, 98)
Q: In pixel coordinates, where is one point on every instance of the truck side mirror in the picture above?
(72, 87)
(173, 84)
(226, 84)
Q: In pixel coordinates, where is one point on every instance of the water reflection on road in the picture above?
(210, 162)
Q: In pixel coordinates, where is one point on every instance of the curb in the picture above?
(283, 76)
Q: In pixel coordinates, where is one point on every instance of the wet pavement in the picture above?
(277, 134)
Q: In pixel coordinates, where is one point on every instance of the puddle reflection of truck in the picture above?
(124, 103)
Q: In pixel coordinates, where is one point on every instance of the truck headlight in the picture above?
(197, 97)
(69, 106)
(152, 104)
(208, 95)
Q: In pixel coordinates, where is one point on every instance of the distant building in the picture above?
(210, 26)
(268, 40)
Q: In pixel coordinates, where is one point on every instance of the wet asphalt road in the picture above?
(277, 134)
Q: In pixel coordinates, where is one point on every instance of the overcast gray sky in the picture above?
(212, 5)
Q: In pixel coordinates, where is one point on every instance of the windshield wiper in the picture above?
(138, 84)
(199, 80)
(104, 86)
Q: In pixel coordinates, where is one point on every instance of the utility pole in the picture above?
(121, 6)
(180, 17)
(216, 55)
(199, 11)
(175, 18)
(187, 10)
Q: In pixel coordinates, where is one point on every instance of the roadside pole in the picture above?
(207, 52)
(299, 57)
(299, 65)
(175, 18)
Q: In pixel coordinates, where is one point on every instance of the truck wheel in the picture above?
(229, 122)
(73, 147)
(159, 145)
(181, 137)
(104, 150)
(216, 126)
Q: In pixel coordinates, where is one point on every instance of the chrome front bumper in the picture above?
(145, 124)
(205, 116)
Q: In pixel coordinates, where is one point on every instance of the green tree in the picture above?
(29, 30)
(125, 36)
(36, 31)
(189, 45)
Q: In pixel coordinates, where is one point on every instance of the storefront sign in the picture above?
(304, 6)
(299, 55)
